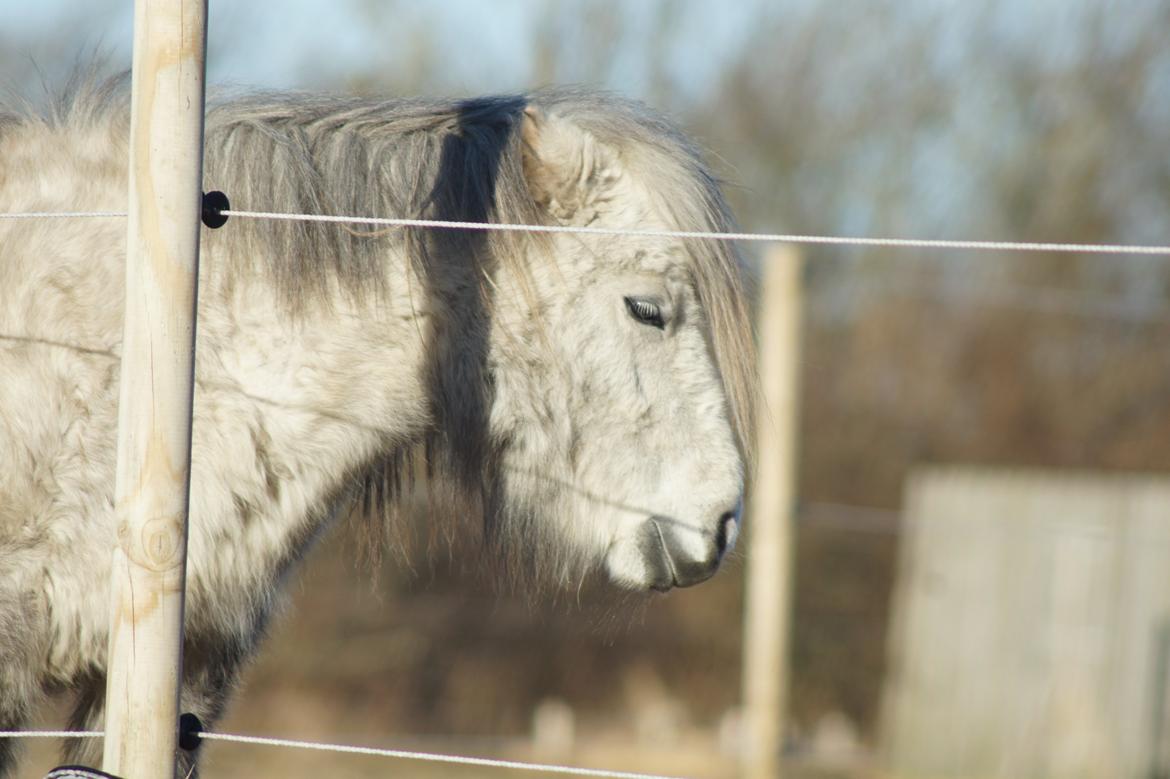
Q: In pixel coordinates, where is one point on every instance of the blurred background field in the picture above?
(1040, 121)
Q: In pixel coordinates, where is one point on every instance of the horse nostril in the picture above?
(725, 534)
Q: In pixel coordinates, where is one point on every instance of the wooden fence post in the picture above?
(770, 523)
(154, 422)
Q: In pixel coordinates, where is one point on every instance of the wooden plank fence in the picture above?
(1030, 630)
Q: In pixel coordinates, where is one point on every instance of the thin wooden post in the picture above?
(770, 524)
(154, 422)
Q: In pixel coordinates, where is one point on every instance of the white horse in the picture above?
(588, 396)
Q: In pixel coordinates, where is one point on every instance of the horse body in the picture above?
(585, 394)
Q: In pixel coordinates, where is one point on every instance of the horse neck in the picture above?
(295, 404)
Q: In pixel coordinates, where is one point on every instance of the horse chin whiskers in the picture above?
(664, 553)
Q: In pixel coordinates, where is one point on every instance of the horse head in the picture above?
(621, 364)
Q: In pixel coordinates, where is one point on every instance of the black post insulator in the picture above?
(190, 729)
(214, 204)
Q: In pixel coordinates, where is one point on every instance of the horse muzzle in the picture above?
(679, 555)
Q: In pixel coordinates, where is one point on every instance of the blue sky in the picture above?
(483, 47)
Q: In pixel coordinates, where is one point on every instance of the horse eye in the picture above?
(646, 311)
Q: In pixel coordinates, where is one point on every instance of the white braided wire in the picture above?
(62, 214)
(407, 755)
(369, 751)
(835, 240)
(443, 224)
(51, 734)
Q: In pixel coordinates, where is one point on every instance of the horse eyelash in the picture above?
(646, 311)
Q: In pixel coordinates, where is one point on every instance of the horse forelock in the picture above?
(673, 170)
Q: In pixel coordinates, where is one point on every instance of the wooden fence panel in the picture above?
(1030, 633)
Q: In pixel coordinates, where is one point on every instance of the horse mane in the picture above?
(435, 159)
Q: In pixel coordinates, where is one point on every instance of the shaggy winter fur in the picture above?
(588, 396)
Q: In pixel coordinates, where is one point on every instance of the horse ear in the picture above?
(569, 171)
